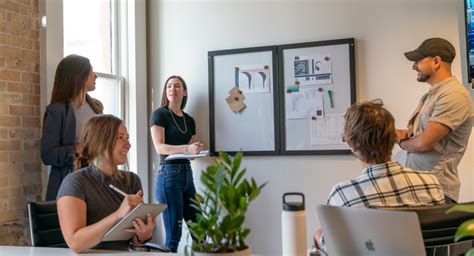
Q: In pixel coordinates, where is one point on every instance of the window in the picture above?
(112, 34)
(90, 30)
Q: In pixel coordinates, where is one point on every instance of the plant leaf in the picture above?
(470, 252)
(237, 179)
(225, 157)
(245, 233)
(236, 164)
(220, 176)
(461, 208)
(465, 230)
(237, 222)
(223, 203)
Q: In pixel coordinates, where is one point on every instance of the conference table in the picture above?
(50, 251)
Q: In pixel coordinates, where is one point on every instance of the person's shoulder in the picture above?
(405, 169)
(76, 178)
(161, 111)
(56, 112)
(338, 192)
(129, 174)
(420, 173)
(345, 184)
(454, 86)
(188, 116)
(56, 107)
(75, 184)
(160, 116)
(78, 174)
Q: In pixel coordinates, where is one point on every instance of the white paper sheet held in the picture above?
(187, 156)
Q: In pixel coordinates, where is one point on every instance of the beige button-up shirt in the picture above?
(447, 103)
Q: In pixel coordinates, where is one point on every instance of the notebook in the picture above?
(370, 232)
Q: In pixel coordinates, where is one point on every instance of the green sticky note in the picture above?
(331, 98)
(293, 88)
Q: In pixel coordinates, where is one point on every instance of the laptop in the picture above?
(370, 232)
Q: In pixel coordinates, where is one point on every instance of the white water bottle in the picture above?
(293, 226)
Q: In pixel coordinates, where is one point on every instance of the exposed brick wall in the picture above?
(20, 168)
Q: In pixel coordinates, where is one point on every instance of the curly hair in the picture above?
(369, 130)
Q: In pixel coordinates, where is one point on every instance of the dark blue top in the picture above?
(174, 127)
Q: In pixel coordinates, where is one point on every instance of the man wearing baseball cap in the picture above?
(438, 131)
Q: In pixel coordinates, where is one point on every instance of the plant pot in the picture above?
(245, 252)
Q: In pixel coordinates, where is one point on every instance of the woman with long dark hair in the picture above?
(173, 131)
(68, 111)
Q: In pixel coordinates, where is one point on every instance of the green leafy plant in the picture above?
(466, 229)
(222, 206)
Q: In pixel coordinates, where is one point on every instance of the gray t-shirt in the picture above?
(92, 186)
(447, 103)
(82, 113)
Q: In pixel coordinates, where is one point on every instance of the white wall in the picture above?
(180, 33)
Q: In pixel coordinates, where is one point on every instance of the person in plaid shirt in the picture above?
(369, 131)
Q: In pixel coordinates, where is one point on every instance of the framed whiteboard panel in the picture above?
(255, 129)
(317, 86)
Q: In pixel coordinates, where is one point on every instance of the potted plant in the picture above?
(219, 227)
(466, 229)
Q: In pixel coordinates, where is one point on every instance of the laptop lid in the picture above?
(360, 231)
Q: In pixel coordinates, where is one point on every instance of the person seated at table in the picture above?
(369, 131)
(87, 206)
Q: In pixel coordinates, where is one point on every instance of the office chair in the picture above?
(438, 229)
(44, 225)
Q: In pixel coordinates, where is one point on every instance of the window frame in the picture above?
(131, 64)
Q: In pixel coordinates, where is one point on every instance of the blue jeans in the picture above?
(175, 187)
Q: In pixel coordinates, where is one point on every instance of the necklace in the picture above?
(174, 120)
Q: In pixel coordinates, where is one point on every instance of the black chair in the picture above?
(44, 225)
(438, 229)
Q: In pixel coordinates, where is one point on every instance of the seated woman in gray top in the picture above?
(87, 206)
(69, 109)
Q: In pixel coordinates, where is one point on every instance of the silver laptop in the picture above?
(355, 231)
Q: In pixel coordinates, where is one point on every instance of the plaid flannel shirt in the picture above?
(388, 185)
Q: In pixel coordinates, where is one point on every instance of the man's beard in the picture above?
(423, 77)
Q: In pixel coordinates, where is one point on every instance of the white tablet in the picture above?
(116, 233)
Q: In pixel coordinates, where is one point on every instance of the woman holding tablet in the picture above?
(173, 132)
(87, 206)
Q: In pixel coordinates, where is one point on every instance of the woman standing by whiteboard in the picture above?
(173, 132)
(65, 116)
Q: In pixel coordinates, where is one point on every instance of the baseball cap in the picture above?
(433, 47)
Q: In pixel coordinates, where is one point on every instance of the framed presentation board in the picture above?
(318, 85)
(243, 101)
(281, 100)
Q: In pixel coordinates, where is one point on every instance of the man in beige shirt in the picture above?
(438, 131)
